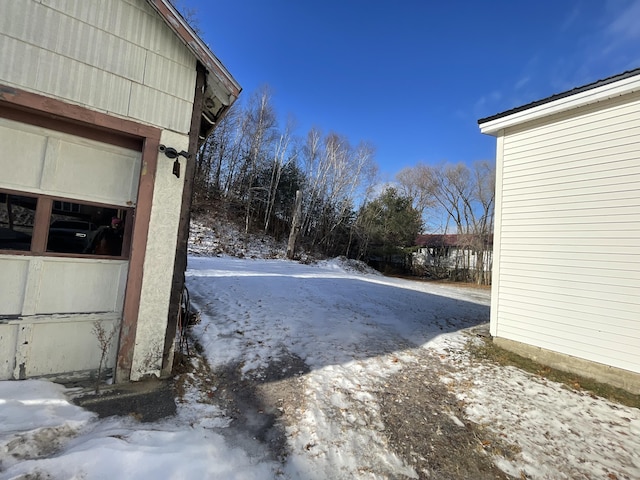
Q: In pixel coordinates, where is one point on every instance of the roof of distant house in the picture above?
(447, 240)
(557, 96)
(437, 240)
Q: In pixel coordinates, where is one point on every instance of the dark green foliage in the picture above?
(389, 225)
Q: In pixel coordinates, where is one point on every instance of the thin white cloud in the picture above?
(625, 25)
(571, 19)
(610, 48)
(522, 82)
(489, 99)
(618, 39)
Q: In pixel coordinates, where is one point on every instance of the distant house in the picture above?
(452, 255)
(566, 278)
(102, 108)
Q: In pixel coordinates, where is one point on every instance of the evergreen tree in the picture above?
(389, 224)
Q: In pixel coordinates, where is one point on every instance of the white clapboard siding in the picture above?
(574, 313)
(115, 56)
(590, 331)
(549, 266)
(591, 118)
(573, 204)
(560, 200)
(569, 233)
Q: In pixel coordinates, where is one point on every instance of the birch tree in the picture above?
(336, 174)
(283, 155)
(259, 124)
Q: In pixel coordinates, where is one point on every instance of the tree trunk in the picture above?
(295, 226)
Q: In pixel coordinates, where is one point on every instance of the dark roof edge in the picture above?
(557, 96)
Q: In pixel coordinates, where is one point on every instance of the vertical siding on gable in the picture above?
(569, 229)
(114, 56)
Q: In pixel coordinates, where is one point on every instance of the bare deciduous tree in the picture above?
(466, 194)
(250, 165)
(415, 183)
(336, 174)
(104, 338)
(282, 156)
(260, 122)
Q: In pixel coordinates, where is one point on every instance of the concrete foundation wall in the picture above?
(629, 381)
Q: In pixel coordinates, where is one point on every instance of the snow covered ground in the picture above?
(353, 331)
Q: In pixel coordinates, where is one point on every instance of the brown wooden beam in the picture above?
(41, 225)
(133, 293)
(12, 98)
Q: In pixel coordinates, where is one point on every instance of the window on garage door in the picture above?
(40, 224)
(17, 217)
(65, 194)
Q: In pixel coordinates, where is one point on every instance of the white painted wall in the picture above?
(159, 262)
(567, 250)
(115, 56)
(456, 258)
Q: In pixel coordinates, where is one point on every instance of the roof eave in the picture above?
(622, 84)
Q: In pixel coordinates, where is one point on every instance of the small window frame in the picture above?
(42, 222)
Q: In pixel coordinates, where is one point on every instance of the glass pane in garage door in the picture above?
(87, 229)
(17, 215)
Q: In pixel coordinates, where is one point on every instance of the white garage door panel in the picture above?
(8, 340)
(62, 345)
(22, 157)
(64, 165)
(13, 278)
(79, 286)
(83, 171)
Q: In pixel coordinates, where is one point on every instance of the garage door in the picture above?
(66, 209)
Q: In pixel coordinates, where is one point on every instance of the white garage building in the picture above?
(566, 279)
(95, 97)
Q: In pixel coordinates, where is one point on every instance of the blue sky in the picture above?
(413, 77)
